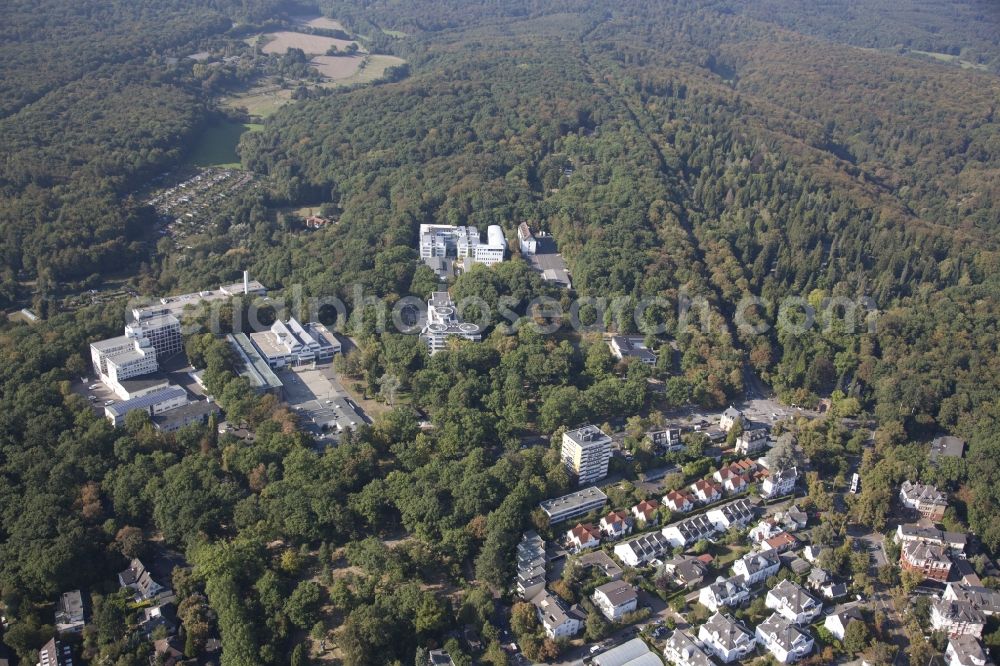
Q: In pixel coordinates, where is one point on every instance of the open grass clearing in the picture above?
(337, 67)
(953, 59)
(321, 22)
(373, 69)
(280, 42)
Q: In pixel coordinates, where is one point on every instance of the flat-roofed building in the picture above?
(573, 505)
(153, 403)
(69, 613)
(443, 323)
(122, 357)
(292, 344)
(530, 566)
(630, 653)
(254, 367)
(193, 412)
(586, 453)
(136, 387)
(162, 330)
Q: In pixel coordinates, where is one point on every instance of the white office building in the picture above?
(442, 242)
(123, 357)
(442, 323)
(586, 452)
(162, 330)
(291, 343)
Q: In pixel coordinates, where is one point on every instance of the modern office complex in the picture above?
(586, 452)
(442, 323)
(442, 244)
(291, 343)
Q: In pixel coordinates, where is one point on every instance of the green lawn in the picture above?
(216, 147)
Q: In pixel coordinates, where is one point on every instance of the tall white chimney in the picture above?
(246, 282)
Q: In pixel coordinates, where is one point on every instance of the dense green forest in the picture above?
(701, 150)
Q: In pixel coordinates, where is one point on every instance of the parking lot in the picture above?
(316, 394)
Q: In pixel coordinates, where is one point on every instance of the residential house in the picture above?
(732, 480)
(820, 581)
(678, 502)
(780, 542)
(55, 653)
(946, 447)
(765, 529)
(668, 439)
(793, 519)
(734, 514)
(927, 559)
(645, 512)
(783, 639)
(836, 623)
(927, 500)
(953, 541)
(439, 658)
(984, 600)
(779, 483)
(964, 650)
(159, 615)
(811, 552)
(583, 536)
(957, 618)
(793, 603)
(69, 613)
(615, 599)
(167, 652)
(751, 442)
(138, 579)
(706, 491)
(689, 530)
(731, 417)
(686, 571)
(616, 524)
(631, 346)
(724, 592)
(557, 620)
(726, 638)
(643, 549)
(682, 650)
(757, 567)
(601, 560)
